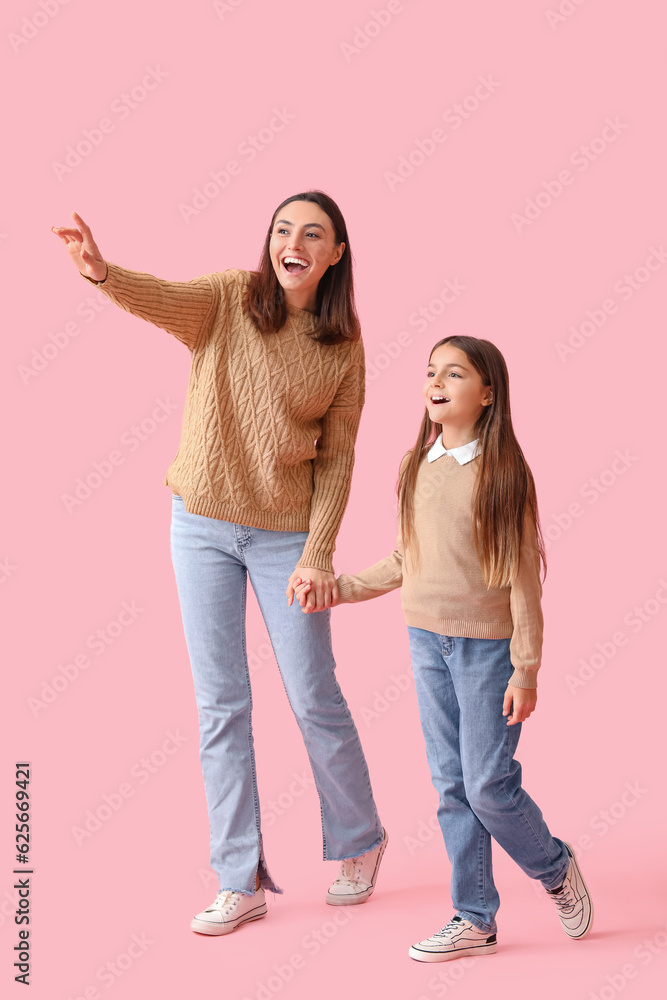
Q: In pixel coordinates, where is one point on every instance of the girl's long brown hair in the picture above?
(337, 318)
(504, 488)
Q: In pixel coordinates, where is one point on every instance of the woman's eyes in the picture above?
(281, 232)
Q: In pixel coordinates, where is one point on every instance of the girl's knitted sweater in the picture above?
(270, 421)
(447, 594)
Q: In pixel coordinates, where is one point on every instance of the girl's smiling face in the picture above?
(455, 394)
(302, 247)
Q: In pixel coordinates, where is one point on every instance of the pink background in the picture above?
(361, 98)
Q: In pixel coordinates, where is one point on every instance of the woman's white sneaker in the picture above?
(228, 910)
(457, 939)
(357, 877)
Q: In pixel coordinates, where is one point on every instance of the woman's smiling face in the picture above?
(302, 247)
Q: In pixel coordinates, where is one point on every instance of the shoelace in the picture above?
(564, 898)
(350, 870)
(453, 925)
(223, 901)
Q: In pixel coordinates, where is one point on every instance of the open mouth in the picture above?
(295, 265)
(438, 400)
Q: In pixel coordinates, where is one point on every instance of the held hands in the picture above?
(83, 249)
(314, 593)
(522, 701)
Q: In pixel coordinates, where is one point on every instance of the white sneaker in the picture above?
(575, 906)
(356, 877)
(457, 939)
(228, 910)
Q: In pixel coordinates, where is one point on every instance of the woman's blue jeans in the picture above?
(460, 686)
(212, 560)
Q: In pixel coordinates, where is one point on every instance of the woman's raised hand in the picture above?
(83, 249)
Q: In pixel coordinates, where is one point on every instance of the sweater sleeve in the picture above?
(185, 309)
(333, 464)
(378, 579)
(526, 611)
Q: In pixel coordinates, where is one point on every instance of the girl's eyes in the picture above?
(429, 374)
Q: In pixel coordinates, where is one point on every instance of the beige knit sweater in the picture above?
(255, 407)
(448, 594)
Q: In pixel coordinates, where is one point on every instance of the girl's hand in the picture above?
(320, 590)
(522, 702)
(83, 249)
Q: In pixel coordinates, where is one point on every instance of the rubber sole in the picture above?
(213, 929)
(446, 956)
(589, 926)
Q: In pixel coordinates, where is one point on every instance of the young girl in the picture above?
(468, 561)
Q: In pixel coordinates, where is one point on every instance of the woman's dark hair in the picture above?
(337, 318)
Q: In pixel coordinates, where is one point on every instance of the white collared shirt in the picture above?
(463, 454)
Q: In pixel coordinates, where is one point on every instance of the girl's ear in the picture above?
(488, 397)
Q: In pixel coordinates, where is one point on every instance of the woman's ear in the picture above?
(339, 250)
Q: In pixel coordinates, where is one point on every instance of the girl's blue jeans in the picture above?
(212, 561)
(460, 686)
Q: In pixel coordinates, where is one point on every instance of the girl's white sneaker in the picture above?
(575, 906)
(457, 939)
(228, 910)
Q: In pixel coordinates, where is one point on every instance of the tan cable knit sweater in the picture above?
(447, 594)
(255, 406)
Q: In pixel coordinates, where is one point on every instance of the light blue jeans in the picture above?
(212, 560)
(460, 685)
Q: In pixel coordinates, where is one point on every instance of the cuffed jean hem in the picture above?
(474, 920)
(555, 883)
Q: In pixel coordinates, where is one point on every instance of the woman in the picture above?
(260, 483)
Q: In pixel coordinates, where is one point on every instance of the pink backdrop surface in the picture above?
(501, 168)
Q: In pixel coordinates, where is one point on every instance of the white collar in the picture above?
(463, 454)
